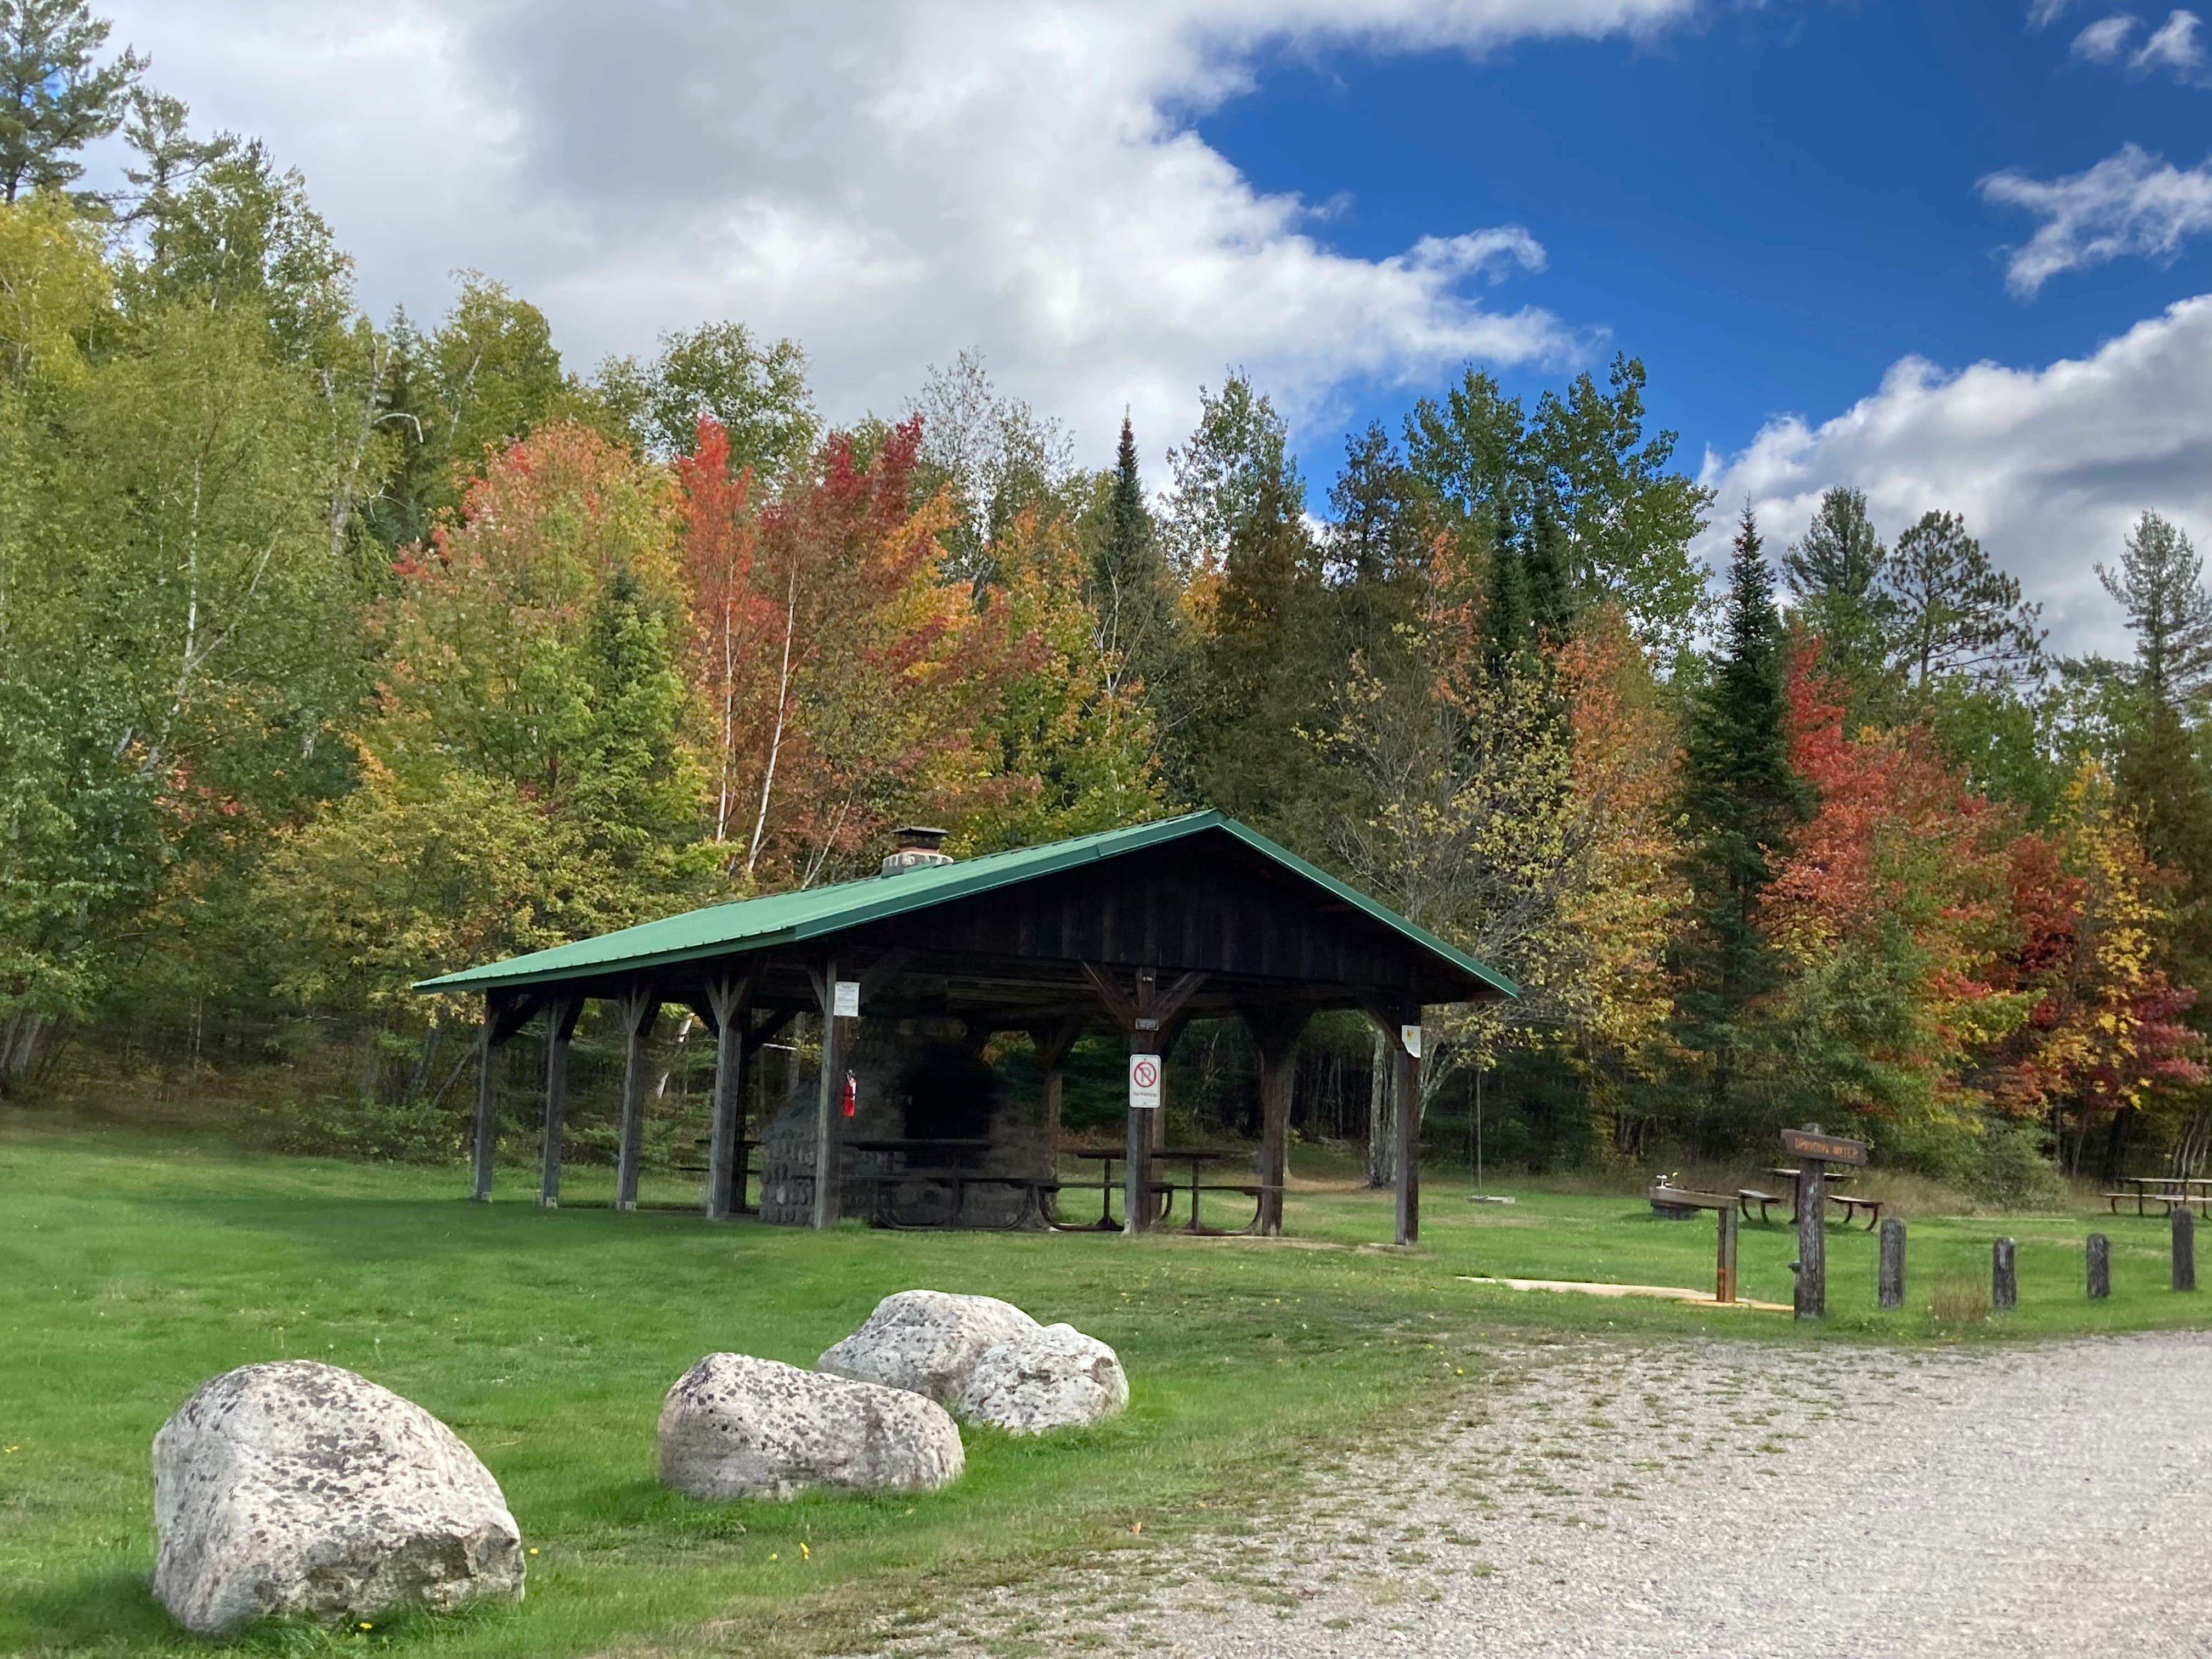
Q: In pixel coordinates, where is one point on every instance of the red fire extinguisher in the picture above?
(852, 1094)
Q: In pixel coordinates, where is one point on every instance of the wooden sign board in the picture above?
(1827, 1149)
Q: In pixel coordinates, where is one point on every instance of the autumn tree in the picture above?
(880, 672)
(1892, 910)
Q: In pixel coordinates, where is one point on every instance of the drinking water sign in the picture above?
(1143, 1082)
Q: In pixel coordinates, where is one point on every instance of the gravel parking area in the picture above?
(1732, 1498)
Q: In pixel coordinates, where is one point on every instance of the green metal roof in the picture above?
(791, 918)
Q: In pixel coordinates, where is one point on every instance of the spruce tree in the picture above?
(2164, 779)
(1505, 610)
(1551, 605)
(1133, 594)
(1740, 802)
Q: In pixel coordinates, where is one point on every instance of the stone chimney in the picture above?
(916, 849)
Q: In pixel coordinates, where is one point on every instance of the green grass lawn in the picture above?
(132, 1269)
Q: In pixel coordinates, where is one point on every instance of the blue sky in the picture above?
(1784, 208)
(1769, 208)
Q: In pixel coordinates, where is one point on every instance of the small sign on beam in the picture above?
(845, 999)
(1411, 1036)
(1828, 1149)
(1143, 1083)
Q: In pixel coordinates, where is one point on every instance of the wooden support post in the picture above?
(728, 996)
(2004, 1277)
(1275, 1035)
(1150, 1021)
(561, 1012)
(828, 1123)
(1408, 1126)
(2185, 1248)
(2100, 1266)
(640, 1007)
(1143, 1125)
(1725, 1258)
(486, 1137)
(1811, 1300)
(1889, 1285)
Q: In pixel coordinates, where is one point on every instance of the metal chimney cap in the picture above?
(919, 835)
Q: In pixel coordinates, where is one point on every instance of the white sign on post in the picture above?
(845, 999)
(1143, 1083)
(1411, 1036)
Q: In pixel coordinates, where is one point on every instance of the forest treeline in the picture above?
(334, 653)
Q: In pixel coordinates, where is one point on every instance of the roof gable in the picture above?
(781, 919)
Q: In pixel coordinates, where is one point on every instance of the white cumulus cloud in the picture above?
(2048, 465)
(2131, 203)
(886, 183)
(2104, 40)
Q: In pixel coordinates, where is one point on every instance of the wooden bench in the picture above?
(1853, 1206)
(1049, 1192)
(2143, 1196)
(1748, 1196)
(1255, 1194)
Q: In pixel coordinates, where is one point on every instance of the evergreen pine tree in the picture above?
(2164, 779)
(1551, 605)
(1506, 611)
(54, 98)
(1740, 802)
(1140, 622)
(1836, 581)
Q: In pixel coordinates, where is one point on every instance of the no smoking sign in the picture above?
(1143, 1082)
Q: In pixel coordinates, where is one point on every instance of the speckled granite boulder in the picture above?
(296, 1488)
(927, 1341)
(735, 1427)
(1053, 1377)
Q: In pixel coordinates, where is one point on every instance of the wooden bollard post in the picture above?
(2100, 1266)
(1890, 1286)
(2005, 1284)
(2185, 1248)
(1724, 1257)
(1811, 1300)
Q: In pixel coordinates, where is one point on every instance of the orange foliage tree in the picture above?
(852, 678)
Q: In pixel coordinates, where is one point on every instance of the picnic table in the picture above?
(2172, 1191)
(1851, 1205)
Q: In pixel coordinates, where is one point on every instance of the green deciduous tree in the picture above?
(755, 391)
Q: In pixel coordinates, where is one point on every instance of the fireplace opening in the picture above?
(948, 1092)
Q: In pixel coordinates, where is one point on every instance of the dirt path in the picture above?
(1717, 1499)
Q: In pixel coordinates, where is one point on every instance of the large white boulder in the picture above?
(296, 1488)
(926, 1342)
(1052, 1377)
(735, 1427)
